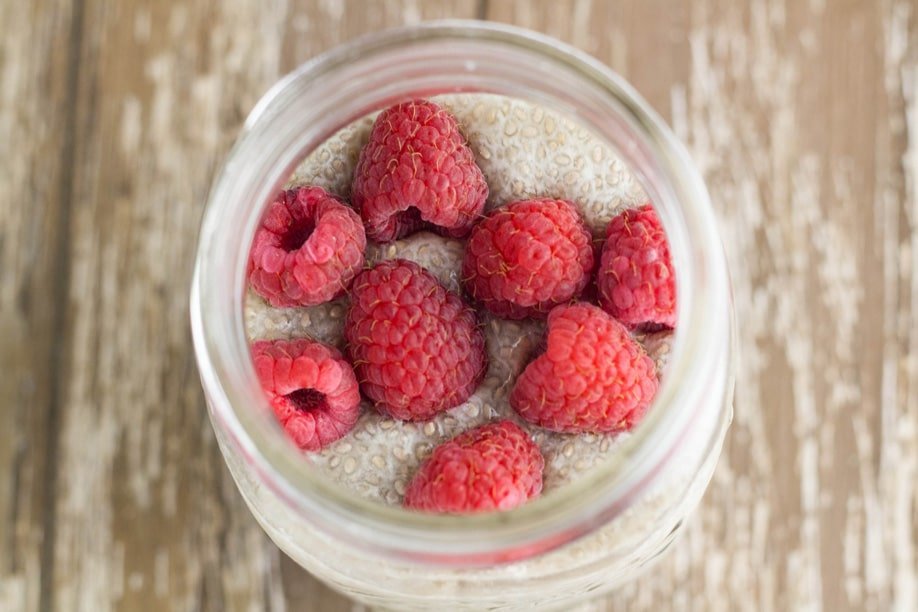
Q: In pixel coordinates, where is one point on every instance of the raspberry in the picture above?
(593, 377)
(636, 281)
(416, 346)
(493, 467)
(311, 387)
(417, 170)
(309, 247)
(527, 257)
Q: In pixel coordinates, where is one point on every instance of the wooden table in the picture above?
(113, 119)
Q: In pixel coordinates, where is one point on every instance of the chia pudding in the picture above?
(524, 151)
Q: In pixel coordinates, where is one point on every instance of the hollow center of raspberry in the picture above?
(297, 235)
(411, 219)
(651, 328)
(306, 400)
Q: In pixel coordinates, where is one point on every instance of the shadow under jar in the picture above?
(575, 542)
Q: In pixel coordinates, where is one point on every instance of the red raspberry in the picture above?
(308, 248)
(527, 257)
(636, 281)
(311, 387)
(416, 346)
(593, 376)
(493, 467)
(417, 169)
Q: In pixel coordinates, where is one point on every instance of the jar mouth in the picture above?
(309, 105)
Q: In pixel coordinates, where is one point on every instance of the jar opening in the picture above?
(330, 92)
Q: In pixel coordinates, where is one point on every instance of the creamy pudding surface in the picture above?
(524, 151)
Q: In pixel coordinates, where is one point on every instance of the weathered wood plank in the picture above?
(36, 144)
(796, 113)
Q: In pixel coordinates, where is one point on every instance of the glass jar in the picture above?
(583, 539)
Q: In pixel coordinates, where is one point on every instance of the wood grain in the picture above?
(113, 118)
(36, 148)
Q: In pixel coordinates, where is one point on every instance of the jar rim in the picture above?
(264, 157)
